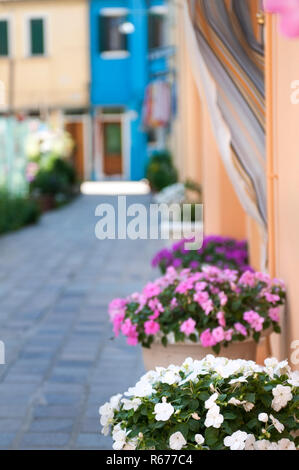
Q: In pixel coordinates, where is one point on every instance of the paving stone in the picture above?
(60, 363)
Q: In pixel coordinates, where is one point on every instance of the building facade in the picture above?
(44, 64)
(129, 51)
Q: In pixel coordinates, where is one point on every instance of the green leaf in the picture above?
(211, 436)
(193, 405)
(250, 397)
(193, 338)
(164, 341)
(229, 415)
(194, 425)
(276, 328)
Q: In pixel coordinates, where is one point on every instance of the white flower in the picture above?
(195, 416)
(282, 368)
(211, 401)
(234, 401)
(277, 424)
(170, 378)
(282, 395)
(263, 444)
(163, 411)
(248, 406)
(286, 444)
(239, 380)
(177, 441)
(119, 439)
(199, 439)
(236, 441)
(107, 413)
(263, 417)
(115, 401)
(214, 418)
(131, 404)
(273, 446)
(250, 442)
(294, 379)
(142, 389)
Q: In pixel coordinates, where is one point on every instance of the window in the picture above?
(111, 39)
(4, 46)
(36, 36)
(156, 28)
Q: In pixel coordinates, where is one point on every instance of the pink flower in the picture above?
(240, 328)
(151, 290)
(184, 286)
(174, 303)
(218, 334)
(151, 327)
(207, 339)
(200, 286)
(247, 279)
(127, 327)
(274, 314)
(222, 298)
(254, 319)
(228, 334)
(201, 297)
(116, 307)
(289, 15)
(221, 318)
(117, 322)
(207, 306)
(273, 298)
(132, 340)
(188, 327)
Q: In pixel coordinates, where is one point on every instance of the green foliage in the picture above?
(160, 171)
(55, 176)
(16, 212)
(187, 392)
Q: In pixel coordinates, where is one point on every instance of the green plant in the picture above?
(55, 176)
(16, 212)
(160, 171)
(214, 307)
(212, 404)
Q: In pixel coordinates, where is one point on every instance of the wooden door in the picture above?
(112, 143)
(77, 132)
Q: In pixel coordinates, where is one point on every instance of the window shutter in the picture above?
(37, 36)
(3, 38)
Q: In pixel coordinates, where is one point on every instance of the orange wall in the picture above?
(285, 123)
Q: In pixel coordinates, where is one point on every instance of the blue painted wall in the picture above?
(122, 82)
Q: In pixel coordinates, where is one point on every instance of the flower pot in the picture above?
(160, 356)
(46, 202)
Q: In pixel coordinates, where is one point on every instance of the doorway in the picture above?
(112, 148)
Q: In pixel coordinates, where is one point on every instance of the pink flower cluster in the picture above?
(207, 304)
(289, 15)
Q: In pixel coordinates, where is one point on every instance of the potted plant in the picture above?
(212, 404)
(224, 252)
(199, 313)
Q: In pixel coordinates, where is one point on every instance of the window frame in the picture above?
(161, 11)
(28, 44)
(116, 12)
(9, 20)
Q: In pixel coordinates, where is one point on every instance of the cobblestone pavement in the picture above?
(56, 280)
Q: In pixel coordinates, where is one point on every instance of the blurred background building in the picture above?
(99, 69)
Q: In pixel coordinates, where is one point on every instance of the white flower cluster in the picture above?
(240, 440)
(193, 369)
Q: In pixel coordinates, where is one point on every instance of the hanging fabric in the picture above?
(226, 47)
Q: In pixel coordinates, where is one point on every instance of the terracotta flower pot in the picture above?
(160, 356)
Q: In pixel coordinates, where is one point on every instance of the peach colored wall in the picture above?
(62, 77)
(285, 122)
(186, 142)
